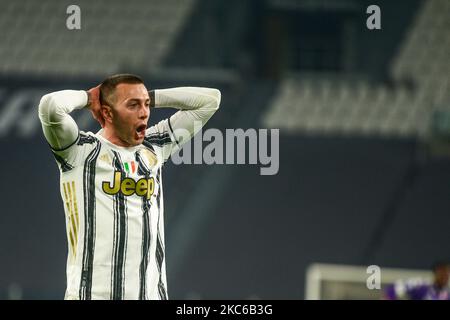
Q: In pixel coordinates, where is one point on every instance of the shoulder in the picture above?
(157, 140)
(87, 138)
(159, 135)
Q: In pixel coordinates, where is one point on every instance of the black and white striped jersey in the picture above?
(113, 198)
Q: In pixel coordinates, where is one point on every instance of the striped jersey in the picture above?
(114, 209)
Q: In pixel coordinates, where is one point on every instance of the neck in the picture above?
(110, 135)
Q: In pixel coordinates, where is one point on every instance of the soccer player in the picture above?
(111, 181)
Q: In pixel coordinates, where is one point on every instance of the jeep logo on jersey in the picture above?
(128, 186)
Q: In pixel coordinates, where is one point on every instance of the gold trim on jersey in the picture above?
(76, 209)
(73, 224)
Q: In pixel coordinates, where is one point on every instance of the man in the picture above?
(111, 182)
(416, 289)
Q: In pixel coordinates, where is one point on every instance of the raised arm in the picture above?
(196, 105)
(59, 128)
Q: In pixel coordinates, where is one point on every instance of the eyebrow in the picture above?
(137, 100)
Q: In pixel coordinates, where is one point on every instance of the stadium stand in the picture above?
(337, 105)
(37, 40)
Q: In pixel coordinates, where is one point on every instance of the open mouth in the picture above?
(140, 130)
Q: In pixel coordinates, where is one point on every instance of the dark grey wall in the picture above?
(327, 204)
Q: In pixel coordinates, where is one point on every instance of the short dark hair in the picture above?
(440, 264)
(108, 86)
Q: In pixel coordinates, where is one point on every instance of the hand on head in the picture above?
(95, 106)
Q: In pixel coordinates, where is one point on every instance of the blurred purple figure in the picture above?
(418, 289)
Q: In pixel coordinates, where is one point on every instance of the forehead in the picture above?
(125, 91)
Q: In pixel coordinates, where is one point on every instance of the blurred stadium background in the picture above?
(364, 119)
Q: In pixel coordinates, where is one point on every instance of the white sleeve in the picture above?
(59, 128)
(196, 106)
(69, 146)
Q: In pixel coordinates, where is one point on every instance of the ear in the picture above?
(106, 112)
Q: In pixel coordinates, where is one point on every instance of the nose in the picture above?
(144, 112)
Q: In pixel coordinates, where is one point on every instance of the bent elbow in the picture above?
(47, 108)
(44, 106)
(216, 97)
